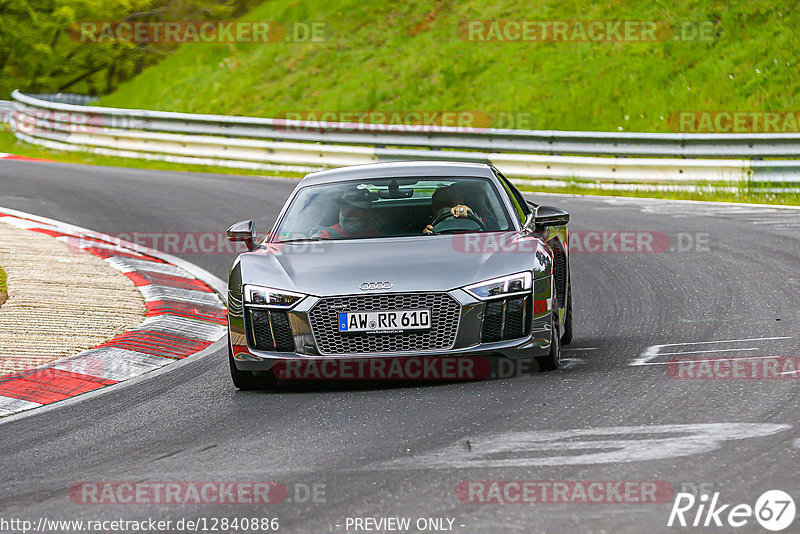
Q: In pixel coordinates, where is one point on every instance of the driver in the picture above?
(355, 218)
(441, 202)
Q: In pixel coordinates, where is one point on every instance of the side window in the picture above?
(520, 206)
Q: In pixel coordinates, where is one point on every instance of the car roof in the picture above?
(398, 169)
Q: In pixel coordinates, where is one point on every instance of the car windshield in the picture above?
(394, 207)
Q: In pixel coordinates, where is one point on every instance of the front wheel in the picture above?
(553, 358)
(246, 380)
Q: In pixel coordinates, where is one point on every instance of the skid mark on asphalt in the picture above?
(570, 363)
(652, 355)
(583, 446)
(779, 218)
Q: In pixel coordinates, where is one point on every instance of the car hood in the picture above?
(424, 263)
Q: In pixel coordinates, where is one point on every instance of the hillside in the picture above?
(414, 56)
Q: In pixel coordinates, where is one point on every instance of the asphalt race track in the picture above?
(726, 285)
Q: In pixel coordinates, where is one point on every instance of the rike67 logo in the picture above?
(774, 510)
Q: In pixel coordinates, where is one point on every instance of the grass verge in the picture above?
(3, 287)
(10, 144)
(704, 192)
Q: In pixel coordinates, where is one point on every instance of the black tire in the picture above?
(246, 380)
(566, 337)
(553, 359)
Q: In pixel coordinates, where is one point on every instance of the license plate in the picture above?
(384, 321)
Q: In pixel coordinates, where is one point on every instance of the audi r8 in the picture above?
(398, 260)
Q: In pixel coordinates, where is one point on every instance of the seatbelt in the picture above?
(332, 230)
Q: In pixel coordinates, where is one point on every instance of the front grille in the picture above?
(515, 318)
(493, 321)
(445, 314)
(270, 331)
(505, 319)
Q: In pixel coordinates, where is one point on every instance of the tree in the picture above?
(41, 49)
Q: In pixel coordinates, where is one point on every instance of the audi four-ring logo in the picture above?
(371, 286)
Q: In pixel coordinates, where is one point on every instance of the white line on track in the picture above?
(699, 360)
(654, 351)
(703, 351)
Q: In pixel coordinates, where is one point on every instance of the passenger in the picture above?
(355, 218)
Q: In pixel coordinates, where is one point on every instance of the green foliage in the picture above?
(406, 56)
(41, 51)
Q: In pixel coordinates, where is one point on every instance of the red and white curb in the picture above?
(5, 155)
(184, 314)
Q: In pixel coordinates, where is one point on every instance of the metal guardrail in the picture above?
(264, 143)
(5, 111)
(65, 98)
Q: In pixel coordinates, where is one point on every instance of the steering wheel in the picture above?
(449, 215)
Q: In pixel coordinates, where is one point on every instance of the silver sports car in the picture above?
(399, 263)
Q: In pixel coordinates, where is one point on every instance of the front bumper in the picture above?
(468, 340)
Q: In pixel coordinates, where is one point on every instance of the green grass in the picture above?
(407, 56)
(410, 56)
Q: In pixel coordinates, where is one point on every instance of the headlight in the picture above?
(266, 296)
(500, 287)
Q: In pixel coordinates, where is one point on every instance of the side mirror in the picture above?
(244, 231)
(550, 216)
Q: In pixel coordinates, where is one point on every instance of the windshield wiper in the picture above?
(448, 231)
(302, 240)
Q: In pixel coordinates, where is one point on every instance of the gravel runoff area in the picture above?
(61, 300)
